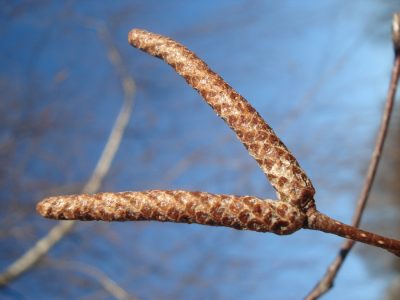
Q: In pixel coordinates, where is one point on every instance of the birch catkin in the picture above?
(177, 206)
(296, 209)
(239, 212)
(282, 169)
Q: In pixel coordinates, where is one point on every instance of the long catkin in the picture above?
(277, 162)
(239, 212)
(243, 212)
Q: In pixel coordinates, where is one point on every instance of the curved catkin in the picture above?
(246, 213)
(282, 169)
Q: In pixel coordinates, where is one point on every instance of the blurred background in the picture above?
(317, 71)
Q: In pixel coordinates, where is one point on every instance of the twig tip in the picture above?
(396, 32)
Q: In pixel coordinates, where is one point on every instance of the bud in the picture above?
(396, 32)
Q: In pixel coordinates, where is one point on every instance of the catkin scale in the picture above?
(280, 166)
(244, 213)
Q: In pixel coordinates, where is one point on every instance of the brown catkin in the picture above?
(239, 212)
(177, 206)
(282, 169)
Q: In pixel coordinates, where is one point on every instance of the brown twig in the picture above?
(43, 245)
(327, 280)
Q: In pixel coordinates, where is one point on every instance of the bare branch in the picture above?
(326, 282)
(106, 282)
(321, 222)
(42, 246)
(277, 162)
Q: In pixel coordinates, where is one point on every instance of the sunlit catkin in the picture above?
(281, 167)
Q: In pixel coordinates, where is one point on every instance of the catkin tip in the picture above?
(41, 208)
(47, 206)
(133, 36)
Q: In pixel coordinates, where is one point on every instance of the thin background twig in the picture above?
(43, 245)
(109, 285)
(327, 280)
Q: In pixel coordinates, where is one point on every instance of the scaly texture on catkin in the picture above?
(239, 212)
(243, 212)
(277, 162)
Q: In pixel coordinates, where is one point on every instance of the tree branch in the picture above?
(42, 246)
(106, 282)
(326, 282)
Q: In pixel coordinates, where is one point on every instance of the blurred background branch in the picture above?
(106, 283)
(326, 283)
(43, 245)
